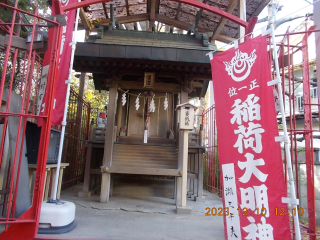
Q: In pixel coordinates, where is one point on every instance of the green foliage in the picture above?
(26, 5)
(18, 70)
(203, 103)
(203, 106)
(98, 100)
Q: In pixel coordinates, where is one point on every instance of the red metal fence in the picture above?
(21, 193)
(302, 114)
(77, 130)
(19, 91)
(301, 122)
(211, 174)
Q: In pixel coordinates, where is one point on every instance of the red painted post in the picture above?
(4, 68)
(252, 23)
(294, 126)
(19, 131)
(8, 100)
(23, 124)
(308, 139)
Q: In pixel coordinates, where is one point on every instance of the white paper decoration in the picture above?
(166, 102)
(137, 102)
(152, 105)
(124, 99)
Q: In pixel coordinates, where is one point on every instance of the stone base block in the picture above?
(184, 210)
(199, 199)
(84, 194)
(189, 194)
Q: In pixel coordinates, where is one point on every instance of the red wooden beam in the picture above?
(57, 6)
(251, 25)
(308, 138)
(189, 2)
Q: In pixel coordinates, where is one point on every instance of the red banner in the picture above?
(63, 72)
(251, 162)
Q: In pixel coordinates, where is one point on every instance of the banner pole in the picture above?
(294, 201)
(64, 121)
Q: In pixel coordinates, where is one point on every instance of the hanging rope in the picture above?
(127, 115)
(170, 94)
(158, 119)
(144, 105)
(148, 95)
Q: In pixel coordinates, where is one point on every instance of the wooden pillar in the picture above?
(111, 185)
(175, 190)
(200, 176)
(195, 181)
(80, 105)
(53, 174)
(79, 120)
(47, 186)
(181, 201)
(189, 187)
(82, 84)
(108, 144)
(105, 187)
(179, 179)
(183, 99)
(59, 182)
(85, 193)
(183, 158)
(119, 116)
(242, 15)
(152, 14)
(176, 117)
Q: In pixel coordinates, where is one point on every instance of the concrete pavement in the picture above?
(126, 217)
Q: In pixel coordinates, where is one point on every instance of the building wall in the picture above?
(303, 190)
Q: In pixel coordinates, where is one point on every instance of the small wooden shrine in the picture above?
(146, 80)
(148, 73)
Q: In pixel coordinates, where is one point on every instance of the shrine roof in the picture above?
(174, 14)
(153, 39)
(127, 49)
(170, 64)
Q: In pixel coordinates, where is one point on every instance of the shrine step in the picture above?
(139, 140)
(144, 156)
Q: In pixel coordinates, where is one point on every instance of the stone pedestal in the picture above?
(84, 194)
(199, 199)
(184, 210)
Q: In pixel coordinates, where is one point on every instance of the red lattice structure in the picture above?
(19, 90)
(211, 175)
(300, 116)
(21, 69)
(77, 132)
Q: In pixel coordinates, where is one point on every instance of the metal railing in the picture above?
(20, 71)
(211, 167)
(77, 132)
